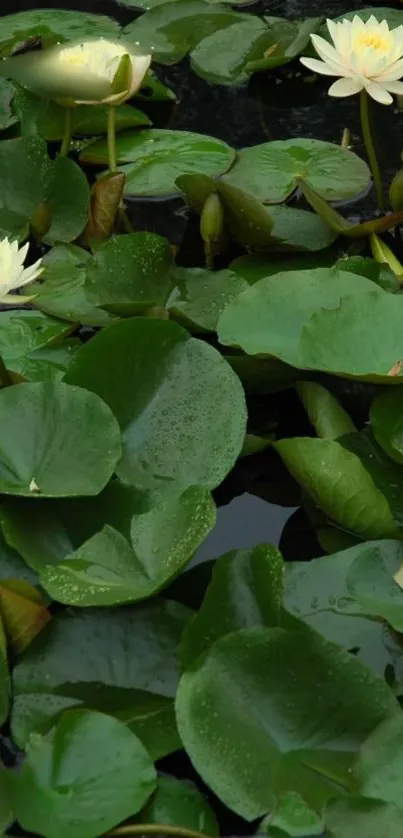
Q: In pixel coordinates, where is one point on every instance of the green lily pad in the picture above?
(61, 291)
(153, 90)
(7, 117)
(111, 660)
(23, 333)
(49, 363)
(170, 376)
(288, 38)
(370, 581)
(271, 171)
(199, 296)
(171, 30)
(361, 817)
(378, 769)
(387, 424)
(332, 471)
(157, 157)
(47, 118)
(270, 317)
(255, 266)
(109, 570)
(84, 777)
(130, 274)
(246, 590)
(29, 180)
(53, 25)
(179, 803)
(250, 723)
(292, 819)
(56, 441)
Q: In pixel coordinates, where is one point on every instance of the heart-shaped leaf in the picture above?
(199, 296)
(171, 30)
(174, 377)
(108, 570)
(272, 171)
(118, 661)
(130, 274)
(246, 590)
(157, 157)
(86, 776)
(55, 441)
(256, 728)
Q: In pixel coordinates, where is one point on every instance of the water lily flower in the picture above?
(12, 272)
(367, 56)
(88, 72)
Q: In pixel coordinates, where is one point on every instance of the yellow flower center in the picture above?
(373, 41)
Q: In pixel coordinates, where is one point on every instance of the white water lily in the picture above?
(367, 56)
(89, 72)
(12, 272)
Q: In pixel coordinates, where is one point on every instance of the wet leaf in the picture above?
(118, 661)
(53, 25)
(294, 817)
(370, 582)
(246, 590)
(24, 333)
(272, 171)
(387, 423)
(179, 803)
(55, 441)
(84, 777)
(378, 769)
(157, 157)
(181, 379)
(199, 296)
(268, 711)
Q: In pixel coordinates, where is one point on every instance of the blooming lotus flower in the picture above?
(85, 73)
(12, 272)
(365, 55)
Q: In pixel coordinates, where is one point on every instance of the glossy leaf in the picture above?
(12, 566)
(223, 56)
(292, 816)
(28, 178)
(118, 661)
(156, 157)
(246, 590)
(288, 38)
(370, 581)
(53, 25)
(271, 171)
(361, 817)
(255, 320)
(86, 776)
(387, 423)
(23, 333)
(325, 413)
(179, 803)
(55, 441)
(256, 728)
(109, 570)
(62, 292)
(378, 769)
(130, 274)
(175, 377)
(255, 266)
(171, 30)
(199, 296)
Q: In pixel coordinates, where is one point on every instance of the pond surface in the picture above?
(275, 105)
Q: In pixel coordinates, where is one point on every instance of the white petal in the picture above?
(377, 92)
(319, 67)
(393, 72)
(345, 87)
(328, 53)
(394, 87)
(140, 65)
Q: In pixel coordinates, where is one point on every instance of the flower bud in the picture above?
(396, 191)
(211, 227)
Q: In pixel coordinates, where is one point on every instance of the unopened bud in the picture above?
(211, 226)
(396, 191)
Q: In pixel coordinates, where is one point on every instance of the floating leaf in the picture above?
(86, 776)
(62, 292)
(23, 334)
(272, 171)
(179, 803)
(53, 25)
(171, 30)
(361, 817)
(130, 274)
(28, 178)
(288, 38)
(199, 296)
(108, 570)
(223, 56)
(118, 661)
(255, 266)
(174, 377)
(378, 769)
(387, 423)
(255, 320)
(370, 581)
(293, 818)
(256, 728)
(55, 441)
(246, 590)
(157, 157)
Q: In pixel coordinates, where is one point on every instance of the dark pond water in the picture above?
(254, 503)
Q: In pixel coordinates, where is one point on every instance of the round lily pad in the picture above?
(53, 25)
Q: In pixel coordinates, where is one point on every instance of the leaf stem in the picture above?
(370, 148)
(112, 139)
(68, 130)
(157, 829)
